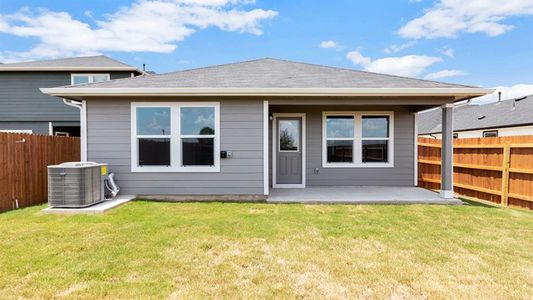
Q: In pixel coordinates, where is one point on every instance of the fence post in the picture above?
(505, 173)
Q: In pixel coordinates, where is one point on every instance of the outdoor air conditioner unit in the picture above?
(76, 184)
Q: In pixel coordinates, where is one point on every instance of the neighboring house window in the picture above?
(455, 135)
(490, 133)
(357, 139)
(175, 137)
(88, 78)
(17, 130)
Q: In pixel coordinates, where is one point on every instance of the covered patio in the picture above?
(359, 195)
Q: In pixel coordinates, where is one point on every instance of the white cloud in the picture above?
(444, 74)
(397, 48)
(448, 52)
(409, 65)
(328, 44)
(358, 59)
(145, 26)
(448, 18)
(508, 92)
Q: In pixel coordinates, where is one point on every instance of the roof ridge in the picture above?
(313, 64)
(506, 100)
(215, 66)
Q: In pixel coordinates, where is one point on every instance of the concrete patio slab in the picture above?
(99, 208)
(359, 195)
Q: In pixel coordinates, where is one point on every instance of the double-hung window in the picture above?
(340, 137)
(357, 139)
(88, 78)
(175, 137)
(375, 138)
(197, 135)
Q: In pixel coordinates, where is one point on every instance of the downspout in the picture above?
(83, 125)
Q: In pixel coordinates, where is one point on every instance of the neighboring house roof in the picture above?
(270, 77)
(507, 113)
(85, 63)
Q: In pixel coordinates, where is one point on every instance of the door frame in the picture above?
(275, 149)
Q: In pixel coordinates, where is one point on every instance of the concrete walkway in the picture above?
(359, 195)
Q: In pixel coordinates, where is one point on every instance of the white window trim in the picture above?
(175, 138)
(88, 74)
(358, 144)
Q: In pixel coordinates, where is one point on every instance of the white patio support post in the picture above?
(446, 187)
(266, 180)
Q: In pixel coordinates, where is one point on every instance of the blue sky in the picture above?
(484, 42)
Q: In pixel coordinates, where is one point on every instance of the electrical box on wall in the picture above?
(226, 154)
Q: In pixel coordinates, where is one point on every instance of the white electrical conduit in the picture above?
(111, 185)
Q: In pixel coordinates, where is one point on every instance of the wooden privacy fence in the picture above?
(499, 169)
(23, 162)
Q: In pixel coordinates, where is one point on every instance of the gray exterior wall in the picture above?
(241, 124)
(22, 101)
(402, 174)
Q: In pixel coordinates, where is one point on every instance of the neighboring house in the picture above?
(502, 118)
(242, 128)
(23, 108)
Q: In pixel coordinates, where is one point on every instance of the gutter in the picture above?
(457, 93)
(83, 125)
(68, 69)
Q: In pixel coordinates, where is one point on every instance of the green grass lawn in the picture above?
(197, 250)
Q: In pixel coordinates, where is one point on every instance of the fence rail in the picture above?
(23, 161)
(499, 170)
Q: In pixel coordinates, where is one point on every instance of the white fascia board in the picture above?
(455, 92)
(69, 69)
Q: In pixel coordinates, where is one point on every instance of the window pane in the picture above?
(289, 135)
(198, 120)
(154, 152)
(153, 120)
(491, 133)
(198, 152)
(340, 151)
(375, 126)
(80, 79)
(375, 151)
(339, 126)
(100, 78)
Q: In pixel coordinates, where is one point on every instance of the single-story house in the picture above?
(241, 129)
(502, 118)
(24, 109)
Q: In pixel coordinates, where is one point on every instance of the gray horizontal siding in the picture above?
(109, 140)
(21, 99)
(401, 174)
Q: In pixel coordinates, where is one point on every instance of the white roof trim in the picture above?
(81, 91)
(67, 68)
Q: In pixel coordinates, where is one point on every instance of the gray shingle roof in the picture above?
(89, 63)
(470, 117)
(270, 73)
